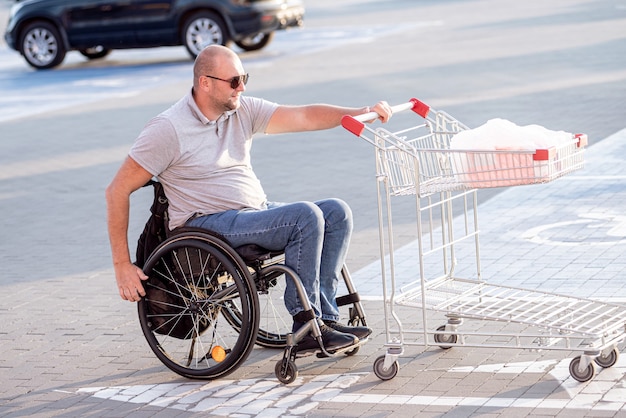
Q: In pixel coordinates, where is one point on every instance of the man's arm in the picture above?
(130, 177)
(318, 116)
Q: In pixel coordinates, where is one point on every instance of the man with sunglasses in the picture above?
(200, 151)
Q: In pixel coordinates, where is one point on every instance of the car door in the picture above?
(158, 25)
(110, 23)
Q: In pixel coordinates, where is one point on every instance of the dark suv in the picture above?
(44, 30)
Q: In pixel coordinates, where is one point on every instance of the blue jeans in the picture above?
(314, 236)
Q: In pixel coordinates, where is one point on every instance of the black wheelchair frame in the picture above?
(208, 303)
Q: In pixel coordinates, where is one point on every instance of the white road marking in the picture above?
(271, 398)
(608, 229)
(224, 397)
(62, 162)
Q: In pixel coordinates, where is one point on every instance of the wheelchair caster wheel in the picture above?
(381, 373)
(352, 352)
(286, 374)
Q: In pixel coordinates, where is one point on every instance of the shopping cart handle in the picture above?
(583, 140)
(355, 124)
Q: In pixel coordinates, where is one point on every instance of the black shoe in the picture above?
(333, 340)
(360, 332)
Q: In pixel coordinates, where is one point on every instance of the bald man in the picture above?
(199, 149)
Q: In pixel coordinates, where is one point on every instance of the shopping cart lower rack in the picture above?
(420, 161)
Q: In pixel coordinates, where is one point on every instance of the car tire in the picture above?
(203, 29)
(95, 52)
(255, 42)
(41, 45)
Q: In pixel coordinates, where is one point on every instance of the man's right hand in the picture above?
(129, 278)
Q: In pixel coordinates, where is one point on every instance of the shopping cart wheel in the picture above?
(389, 373)
(445, 338)
(607, 360)
(286, 371)
(584, 375)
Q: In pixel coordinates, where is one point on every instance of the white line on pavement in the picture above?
(253, 396)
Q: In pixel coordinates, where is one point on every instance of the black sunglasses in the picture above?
(235, 82)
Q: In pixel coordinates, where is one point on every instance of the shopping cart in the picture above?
(420, 161)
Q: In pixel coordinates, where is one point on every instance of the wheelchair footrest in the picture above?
(348, 299)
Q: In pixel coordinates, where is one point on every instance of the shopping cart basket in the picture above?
(419, 161)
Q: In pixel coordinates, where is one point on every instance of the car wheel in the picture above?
(255, 42)
(203, 29)
(95, 52)
(41, 45)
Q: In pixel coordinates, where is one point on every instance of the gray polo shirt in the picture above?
(204, 165)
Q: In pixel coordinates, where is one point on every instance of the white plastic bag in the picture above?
(481, 160)
(501, 134)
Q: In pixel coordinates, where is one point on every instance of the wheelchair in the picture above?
(208, 303)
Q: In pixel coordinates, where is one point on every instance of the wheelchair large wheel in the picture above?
(192, 283)
(274, 320)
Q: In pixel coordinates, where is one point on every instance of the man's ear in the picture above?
(203, 83)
